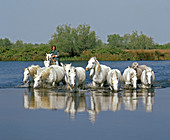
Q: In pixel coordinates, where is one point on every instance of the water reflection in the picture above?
(92, 102)
(75, 103)
(100, 101)
(131, 98)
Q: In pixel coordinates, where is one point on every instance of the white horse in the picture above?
(60, 73)
(99, 72)
(139, 69)
(130, 78)
(114, 79)
(67, 67)
(147, 78)
(29, 73)
(47, 76)
(76, 78)
(52, 75)
(145, 75)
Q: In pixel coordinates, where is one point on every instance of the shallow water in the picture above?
(27, 113)
(11, 72)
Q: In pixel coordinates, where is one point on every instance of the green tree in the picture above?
(115, 40)
(74, 40)
(7, 42)
(19, 43)
(1, 42)
(136, 41)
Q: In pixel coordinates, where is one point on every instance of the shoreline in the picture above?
(104, 89)
(78, 60)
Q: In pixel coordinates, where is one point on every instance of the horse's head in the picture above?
(72, 77)
(133, 78)
(37, 81)
(134, 65)
(47, 63)
(26, 75)
(48, 57)
(67, 67)
(114, 80)
(91, 63)
(146, 76)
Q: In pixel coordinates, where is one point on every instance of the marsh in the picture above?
(28, 113)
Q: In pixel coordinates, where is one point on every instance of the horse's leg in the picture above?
(94, 84)
(53, 84)
(68, 86)
(101, 84)
(31, 83)
(83, 85)
(111, 88)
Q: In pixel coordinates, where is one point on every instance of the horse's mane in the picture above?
(115, 73)
(33, 69)
(98, 66)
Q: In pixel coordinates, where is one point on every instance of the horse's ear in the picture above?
(117, 74)
(95, 58)
(98, 66)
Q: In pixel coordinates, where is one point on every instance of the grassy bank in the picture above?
(156, 54)
(34, 55)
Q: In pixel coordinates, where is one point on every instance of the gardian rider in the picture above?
(55, 55)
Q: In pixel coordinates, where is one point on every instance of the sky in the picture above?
(34, 21)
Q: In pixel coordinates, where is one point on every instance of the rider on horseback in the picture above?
(55, 55)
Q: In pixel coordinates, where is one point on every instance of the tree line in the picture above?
(76, 42)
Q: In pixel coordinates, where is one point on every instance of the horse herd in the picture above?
(74, 77)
